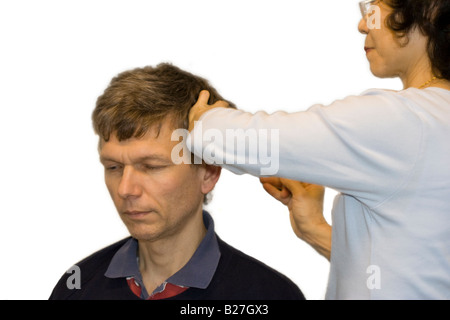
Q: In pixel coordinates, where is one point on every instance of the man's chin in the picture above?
(145, 236)
(144, 232)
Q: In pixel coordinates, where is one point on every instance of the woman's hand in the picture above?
(305, 204)
(202, 106)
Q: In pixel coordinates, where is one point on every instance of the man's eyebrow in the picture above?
(106, 158)
(154, 157)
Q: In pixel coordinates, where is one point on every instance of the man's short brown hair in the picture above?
(137, 99)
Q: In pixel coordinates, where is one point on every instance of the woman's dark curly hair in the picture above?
(432, 17)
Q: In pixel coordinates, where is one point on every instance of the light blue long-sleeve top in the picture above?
(387, 153)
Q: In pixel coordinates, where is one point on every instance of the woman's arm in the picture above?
(364, 146)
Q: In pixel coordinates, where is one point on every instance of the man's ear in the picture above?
(210, 177)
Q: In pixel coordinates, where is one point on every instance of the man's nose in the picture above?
(129, 184)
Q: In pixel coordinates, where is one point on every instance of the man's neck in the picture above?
(160, 259)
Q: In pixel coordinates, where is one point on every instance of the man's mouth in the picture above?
(135, 214)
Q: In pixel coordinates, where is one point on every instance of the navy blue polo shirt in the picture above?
(197, 273)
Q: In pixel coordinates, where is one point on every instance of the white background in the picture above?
(57, 57)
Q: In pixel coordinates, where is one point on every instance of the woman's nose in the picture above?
(362, 26)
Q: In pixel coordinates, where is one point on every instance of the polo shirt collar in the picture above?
(197, 273)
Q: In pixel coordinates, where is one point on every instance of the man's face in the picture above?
(154, 197)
